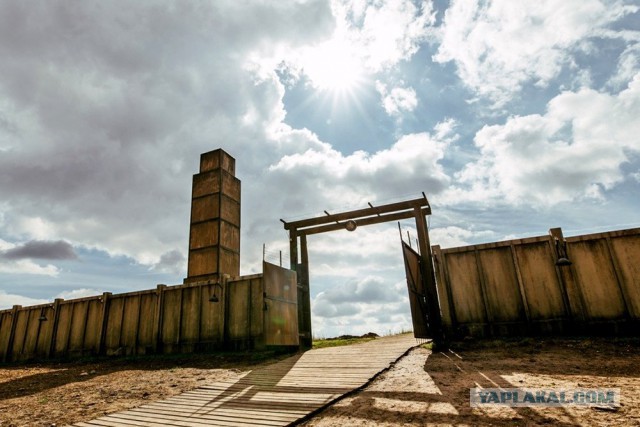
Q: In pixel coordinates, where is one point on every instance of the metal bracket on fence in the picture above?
(561, 252)
(214, 297)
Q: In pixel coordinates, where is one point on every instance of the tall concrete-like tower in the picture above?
(214, 237)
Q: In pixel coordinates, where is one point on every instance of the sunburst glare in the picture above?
(334, 66)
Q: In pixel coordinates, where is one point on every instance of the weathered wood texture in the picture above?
(277, 395)
(214, 237)
(417, 300)
(515, 287)
(280, 306)
(167, 319)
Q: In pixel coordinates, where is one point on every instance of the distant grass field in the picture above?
(343, 340)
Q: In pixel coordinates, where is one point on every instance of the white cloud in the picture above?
(4, 245)
(26, 266)
(498, 46)
(445, 130)
(393, 30)
(78, 293)
(628, 66)
(411, 165)
(368, 37)
(369, 304)
(574, 150)
(398, 100)
(9, 300)
(453, 236)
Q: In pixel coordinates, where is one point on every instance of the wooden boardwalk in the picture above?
(277, 395)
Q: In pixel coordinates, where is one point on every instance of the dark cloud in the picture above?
(367, 290)
(172, 262)
(105, 109)
(38, 249)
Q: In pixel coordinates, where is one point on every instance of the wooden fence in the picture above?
(168, 319)
(518, 287)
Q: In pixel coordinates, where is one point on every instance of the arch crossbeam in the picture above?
(360, 217)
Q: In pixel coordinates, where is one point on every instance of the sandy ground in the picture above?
(63, 393)
(421, 389)
(425, 389)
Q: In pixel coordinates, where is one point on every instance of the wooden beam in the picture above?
(363, 221)
(304, 297)
(429, 277)
(359, 213)
(293, 248)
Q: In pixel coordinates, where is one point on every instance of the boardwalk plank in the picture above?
(240, 413)
(274, 395)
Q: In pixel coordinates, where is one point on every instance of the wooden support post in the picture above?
(304, 297)
(200, 308)
(428, 277)
(157, 319)
(293, 249)
(84, 329)
(575, 306)
(14, 320)
(626, 299)
(225, 297)
(523, 294)
(176, 343)
(104, 320)
(488, 309)
(449, 322)
(54, 330)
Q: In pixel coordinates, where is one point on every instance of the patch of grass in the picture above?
(427, 345)
(340, 341)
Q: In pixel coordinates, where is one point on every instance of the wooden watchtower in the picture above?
(214, 235)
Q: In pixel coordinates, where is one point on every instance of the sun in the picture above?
(334, 66)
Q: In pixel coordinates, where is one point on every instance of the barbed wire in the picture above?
(275, 256)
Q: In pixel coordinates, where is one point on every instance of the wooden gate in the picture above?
(417, 293)
(280, 305)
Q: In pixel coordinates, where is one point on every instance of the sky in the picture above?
(512, 117)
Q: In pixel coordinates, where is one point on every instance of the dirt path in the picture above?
(433, 389)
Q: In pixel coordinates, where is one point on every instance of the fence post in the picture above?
(198, 345)
(54, 329)
(157, 318)
(619, 279)
(104, 319)
(14, 321)
(444, 291)
(571, 292)
(488, 309)
(226, 303)
(523, 294)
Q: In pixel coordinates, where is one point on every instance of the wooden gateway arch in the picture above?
(425, 310)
